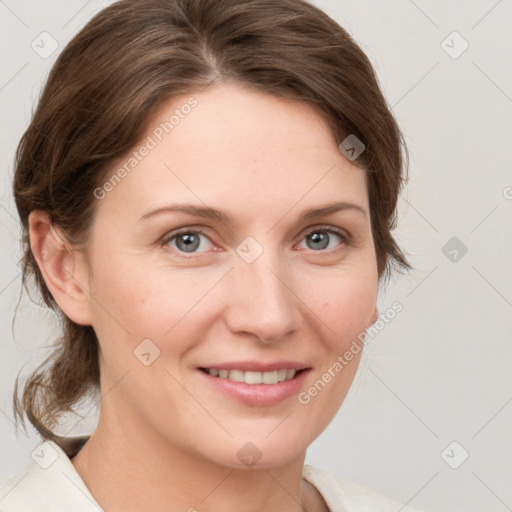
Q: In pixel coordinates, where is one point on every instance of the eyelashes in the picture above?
(185, 241)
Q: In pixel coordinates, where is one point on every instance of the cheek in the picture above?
(345, 303)
(137, 300)
(345, 307)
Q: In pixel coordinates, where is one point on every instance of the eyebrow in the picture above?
(222, 216)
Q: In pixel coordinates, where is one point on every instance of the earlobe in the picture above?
(62, 267)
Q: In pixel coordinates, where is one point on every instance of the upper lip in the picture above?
(258, 366)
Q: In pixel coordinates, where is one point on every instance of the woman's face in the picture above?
(261, 287)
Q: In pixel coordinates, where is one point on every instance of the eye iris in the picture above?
(191, 241)
(319, 236)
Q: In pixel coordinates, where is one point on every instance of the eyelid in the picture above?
(329, 228)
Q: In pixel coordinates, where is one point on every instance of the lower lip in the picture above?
(258, 394)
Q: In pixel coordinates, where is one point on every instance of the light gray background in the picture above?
(440, 371)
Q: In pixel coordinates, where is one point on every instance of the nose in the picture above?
(262, 301)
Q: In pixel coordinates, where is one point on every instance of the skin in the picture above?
(162, 428)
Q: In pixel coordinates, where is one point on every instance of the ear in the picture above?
(63, 268)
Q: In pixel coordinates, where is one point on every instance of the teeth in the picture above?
(250, 377)
(268, 377)
(236, 375)
(282, 374)
(290, 374)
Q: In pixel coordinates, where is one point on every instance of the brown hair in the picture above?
(118, 70)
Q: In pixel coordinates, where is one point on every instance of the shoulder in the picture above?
(348, 496)
(48, 479)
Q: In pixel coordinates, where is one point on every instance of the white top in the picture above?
(50, 482)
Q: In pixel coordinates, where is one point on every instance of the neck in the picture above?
(130, 467)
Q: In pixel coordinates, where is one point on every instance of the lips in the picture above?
(255, 383)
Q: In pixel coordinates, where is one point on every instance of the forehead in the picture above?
(233, 145)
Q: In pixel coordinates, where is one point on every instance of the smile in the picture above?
(256, 388)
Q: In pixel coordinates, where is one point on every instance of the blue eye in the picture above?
(320, 238)
(187, 241)
(190, 240)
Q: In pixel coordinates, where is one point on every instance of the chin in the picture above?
(262, 451)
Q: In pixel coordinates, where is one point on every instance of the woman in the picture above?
(208, 191)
